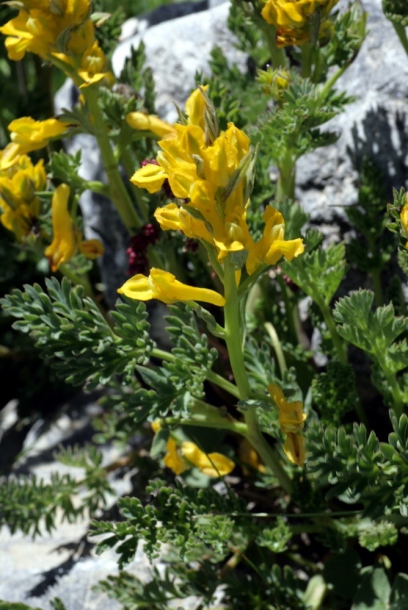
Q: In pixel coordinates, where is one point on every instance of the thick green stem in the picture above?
(129, 166)
(233, 338)
(118, 192)
(285, 188)
(402, 35)
(278, 56)
(306, 60)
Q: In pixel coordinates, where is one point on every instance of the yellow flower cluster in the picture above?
(19, 205)
(67, 240)
(291, 420)
(298, 21)
(180, 459)
(59, 30)
(207, 170)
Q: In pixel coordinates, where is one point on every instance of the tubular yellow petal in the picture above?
(171, 217)
(172, 459)
(294, 448)
(150, 122)
(289, 249)
(163, 286)
(150, 177)
(212, 464)
(291, 414)
(30, 135)
(195, 107)
(64, 243)
(156, 425)
(138, 287)
(404, 218)
(10, 156)
(277, 395)
(169, 290)
(250, 457)
(92, 248)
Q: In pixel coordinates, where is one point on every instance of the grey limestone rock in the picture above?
(177, 49)
(374, 126)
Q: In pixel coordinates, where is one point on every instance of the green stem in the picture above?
(331, 327)
(285, 188)
(376, 277)
(211, 376)
(97, 187)
(402, 35)
(324, 92)
(277, 346)
(291, 312)
(235, 426)
(118, 192)
(306, 61)
(397, 399)
(128, 164)
(278, 56)
(233, 338)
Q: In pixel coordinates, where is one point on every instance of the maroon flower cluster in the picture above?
(137, 252)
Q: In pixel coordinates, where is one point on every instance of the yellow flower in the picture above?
(163, 286)
(173, 459)
(18, 184)
(211, 179)
(66, 237)
(211, 464)
(40, 28)
(195, 107)
(61, 30)
(179, 460)
(404, 220)
(94, 66)
(250, 457)
(292, 19)
(274, 82)
(291, 420)
(150, 122)
(294, 448)
(272, 245)
(64, 243)
(28, 135)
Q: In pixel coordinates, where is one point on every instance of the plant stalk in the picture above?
(233, 338)
(118, 191)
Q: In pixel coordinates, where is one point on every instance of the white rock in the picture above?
(177, 49)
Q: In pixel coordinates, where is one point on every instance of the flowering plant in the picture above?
(269, 475)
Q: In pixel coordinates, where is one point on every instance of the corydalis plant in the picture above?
(211, 175)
